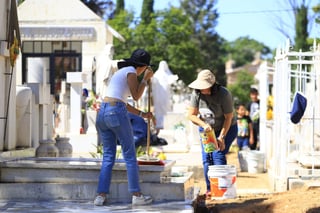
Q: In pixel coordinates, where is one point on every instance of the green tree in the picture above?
(176, 44)
(145, 36)
(298, 30)
(119, 7)
(185, 38)
(168, 37)
(301, 26)
(243, 50)
(316, 10)
(203, 16)
(122, 23)
(241, 89)
(147, 11)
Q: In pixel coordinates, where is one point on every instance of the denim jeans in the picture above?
(113, 124)
(243, 142)
(218, 157)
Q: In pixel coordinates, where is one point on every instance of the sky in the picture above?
(256, 19)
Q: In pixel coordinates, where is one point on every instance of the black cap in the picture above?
(138, 58)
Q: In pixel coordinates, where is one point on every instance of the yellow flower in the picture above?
(162, 156)
(269, 114)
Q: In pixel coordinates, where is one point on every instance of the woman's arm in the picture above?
(136, 87)
(225, 128)
(251, 138)
(136, 111)
(226, 125)
(193, 117)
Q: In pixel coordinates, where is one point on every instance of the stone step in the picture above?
(73, 170)
(170, 191)
(72, 178)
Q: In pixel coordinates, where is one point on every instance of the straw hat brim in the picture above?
(200, 84)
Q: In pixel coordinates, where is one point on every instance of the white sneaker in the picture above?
(141, 200)
(99, 200)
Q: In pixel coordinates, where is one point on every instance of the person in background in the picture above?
(245, 129)
(114, 125)
(140, 132)
(56, 112)
(140, 129)
(84, 107)
(209, 94)
(254, 113)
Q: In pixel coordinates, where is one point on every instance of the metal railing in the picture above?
(291, 149)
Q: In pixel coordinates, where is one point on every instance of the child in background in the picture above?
(245, 135)
(84, 108)
(254, 113)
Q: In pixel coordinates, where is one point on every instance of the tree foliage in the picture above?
(147, 11)
(241, 89)
(177, 44)
(302, 22)
(168, 36)
(243, 50)
(316, 10)
(119, 7)
(301, 28)
(203, 16)
(122, 23)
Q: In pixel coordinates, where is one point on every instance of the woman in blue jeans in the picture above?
(113, 124)
(211, 108)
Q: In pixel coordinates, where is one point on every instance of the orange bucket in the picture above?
(222, 181)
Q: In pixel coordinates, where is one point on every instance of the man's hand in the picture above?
(221, 144)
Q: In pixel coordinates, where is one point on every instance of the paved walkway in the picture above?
(57, 206)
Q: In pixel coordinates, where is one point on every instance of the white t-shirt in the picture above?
(118, 86)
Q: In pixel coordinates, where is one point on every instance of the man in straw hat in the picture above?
(211, 108)
(113, 124)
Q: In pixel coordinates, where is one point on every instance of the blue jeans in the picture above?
(113, 124)
(218, 157)
(243, 142)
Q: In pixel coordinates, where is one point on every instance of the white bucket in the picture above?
(255, 160)
(222, 181)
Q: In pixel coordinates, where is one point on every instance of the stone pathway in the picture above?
(60, 206)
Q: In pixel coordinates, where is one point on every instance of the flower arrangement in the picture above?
(92, 102)
(270, 108)
(140, 151)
